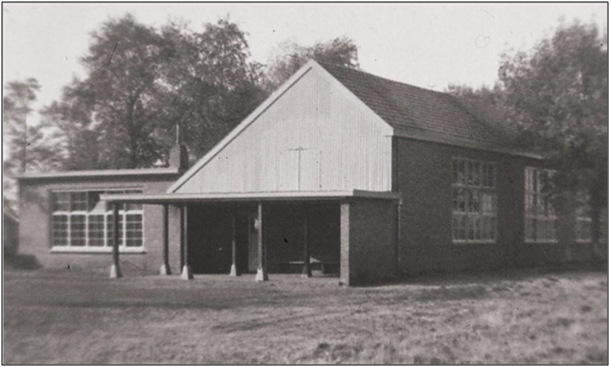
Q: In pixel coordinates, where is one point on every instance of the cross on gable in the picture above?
(299, 149)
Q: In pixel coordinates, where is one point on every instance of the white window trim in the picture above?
(123, 248)
(100, 250)
(531, 241)
(471, 242)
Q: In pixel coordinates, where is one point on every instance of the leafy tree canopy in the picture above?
(211, 86)
(142, 82)
(291, 56)
(27, 147)
(556, 95)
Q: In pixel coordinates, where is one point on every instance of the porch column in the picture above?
(234, 270)
(115, 268)
(307, 270)
(262, 269)
(165, 264)
(345, 278)
(186, 269)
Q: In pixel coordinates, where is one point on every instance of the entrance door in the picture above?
(253, 245)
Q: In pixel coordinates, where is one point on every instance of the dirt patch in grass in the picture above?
(80, 317)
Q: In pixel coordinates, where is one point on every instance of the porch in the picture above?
(308, 233)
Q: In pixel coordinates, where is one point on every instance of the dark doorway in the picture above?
(210, 235)
(285, 236)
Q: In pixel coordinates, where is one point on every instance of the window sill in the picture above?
(474, 242)
(536, 242)
(96, 250)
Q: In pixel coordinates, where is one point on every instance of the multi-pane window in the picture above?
(474, 201)
(110, 227)
(60, 230)
(81, 220)
(540, 220)
(95, 229)
(133, 230)
(78, 232)
(583, 226)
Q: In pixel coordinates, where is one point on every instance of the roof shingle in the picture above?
(425, 112)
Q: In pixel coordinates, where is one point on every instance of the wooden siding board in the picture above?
(343, 148)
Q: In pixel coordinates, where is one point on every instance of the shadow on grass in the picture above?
(21, 262)
(451, 294)
(494, 275)
(128, 304)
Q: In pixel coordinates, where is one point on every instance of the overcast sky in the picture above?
(428, 45)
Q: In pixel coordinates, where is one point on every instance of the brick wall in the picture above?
(35, 231)
(424, 178)
(368, 241)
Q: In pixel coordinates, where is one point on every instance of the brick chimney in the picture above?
(179, 156)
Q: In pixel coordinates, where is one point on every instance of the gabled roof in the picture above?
(407, 111)
(428, 115)
(310, 66)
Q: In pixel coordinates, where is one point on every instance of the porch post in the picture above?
(345, 276)
(115, 268)
(262, 269)
(186, 269)
(307, 270)
(165, 264)
(234, 270)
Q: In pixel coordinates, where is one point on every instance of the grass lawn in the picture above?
(513, 317)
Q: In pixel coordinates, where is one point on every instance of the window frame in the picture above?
(578, 222)
(583, 214)
(538, 198)
(89, 211)
(486, 182)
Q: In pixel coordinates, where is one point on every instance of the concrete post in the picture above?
(307, 270)
(234, 270)
(187, 274)
(262, 269)
(165, 264)
(115, 268)
(345, 244)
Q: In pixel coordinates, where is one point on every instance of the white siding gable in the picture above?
(313, 135)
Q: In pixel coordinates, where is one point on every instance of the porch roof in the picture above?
(174, 198)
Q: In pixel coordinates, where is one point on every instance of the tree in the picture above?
(123, 64)
(291, 56)
(483, 95)
(17, 106)
(144, 81)
(557, 97)
(211, 86)
(27, 147)
(71, 125)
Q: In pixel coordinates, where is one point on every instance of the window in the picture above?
(95, 229)
(60, 230)
(583, 227)
(474, 201)
(81, 220)
(540, 221)
(133, 230)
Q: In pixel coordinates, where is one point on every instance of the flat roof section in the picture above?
(100, 173)
(248, 196)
